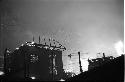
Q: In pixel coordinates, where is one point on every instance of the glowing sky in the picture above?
(89, 26)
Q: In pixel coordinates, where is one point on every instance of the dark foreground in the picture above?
(109, 72)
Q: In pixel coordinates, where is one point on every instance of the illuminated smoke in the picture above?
(69, 67)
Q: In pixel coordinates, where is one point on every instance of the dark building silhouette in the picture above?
(99, 61)
(35, 61)
(110, 71)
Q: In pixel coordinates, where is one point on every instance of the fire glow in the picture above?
(119, 47)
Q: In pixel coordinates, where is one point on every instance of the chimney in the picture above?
(39, 39)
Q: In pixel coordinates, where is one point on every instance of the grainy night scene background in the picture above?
(95, 28)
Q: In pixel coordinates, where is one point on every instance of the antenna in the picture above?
(104, 55)
(33, 38)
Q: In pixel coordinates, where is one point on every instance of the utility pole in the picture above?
(80, 63)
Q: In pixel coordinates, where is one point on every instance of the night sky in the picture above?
(88, 26)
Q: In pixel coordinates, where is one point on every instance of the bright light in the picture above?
(17, 48)
(61, 80)
(46, 47)
(32, 42)
(22, 44)
(1, 73)
(51, 48)
(33, 77)
(119, 47)
(84, 64)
